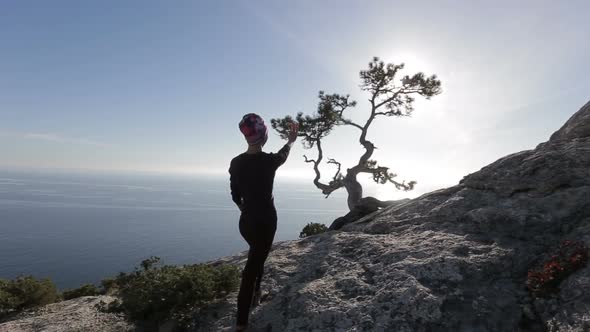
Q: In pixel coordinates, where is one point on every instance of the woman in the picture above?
(251, 180)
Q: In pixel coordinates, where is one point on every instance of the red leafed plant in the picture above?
(570, 257)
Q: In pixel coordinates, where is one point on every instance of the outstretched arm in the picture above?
(281, 156)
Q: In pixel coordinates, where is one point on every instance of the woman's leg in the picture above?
(257, 289)
(256, 257)
(267, 244)
(260, 237)
(266, 240)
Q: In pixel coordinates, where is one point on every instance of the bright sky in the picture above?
(161, 86)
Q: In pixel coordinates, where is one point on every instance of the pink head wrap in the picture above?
(254, 129)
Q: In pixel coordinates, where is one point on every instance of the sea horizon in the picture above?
(81, 227)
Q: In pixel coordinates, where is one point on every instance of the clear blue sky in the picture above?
(161, 86)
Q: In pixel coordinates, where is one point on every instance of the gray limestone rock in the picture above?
(452, 260)
(80, 314)
(578, 126)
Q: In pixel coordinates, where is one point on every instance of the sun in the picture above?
(414, 61)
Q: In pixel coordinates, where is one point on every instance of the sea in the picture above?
(81, 227)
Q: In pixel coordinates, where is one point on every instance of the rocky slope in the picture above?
(451, 260)
(78, 315)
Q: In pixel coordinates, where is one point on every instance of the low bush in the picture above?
(157, 293)
(569, 257)
(108, 285)
(25, 292)
(312, 228)
(84, 290)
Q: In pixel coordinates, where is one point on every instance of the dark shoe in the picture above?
(256, 298)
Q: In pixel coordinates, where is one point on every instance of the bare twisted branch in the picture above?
(382, 175)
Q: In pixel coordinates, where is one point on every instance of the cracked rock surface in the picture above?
(451, 260)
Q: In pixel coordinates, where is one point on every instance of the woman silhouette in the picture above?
(251, 181)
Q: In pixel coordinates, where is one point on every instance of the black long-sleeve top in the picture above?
(252, 176)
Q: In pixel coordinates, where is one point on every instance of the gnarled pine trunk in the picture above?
(354, 190)
(358, 205)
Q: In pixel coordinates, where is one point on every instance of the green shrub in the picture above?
(109, 285)
(25, 292)
(157, 293)
(312, 228)
(84, 290)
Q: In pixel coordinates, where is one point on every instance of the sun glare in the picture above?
(414, 62)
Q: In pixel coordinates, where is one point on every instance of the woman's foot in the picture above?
(256, 298)
(241, 328)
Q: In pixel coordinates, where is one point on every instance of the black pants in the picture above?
(258, 227)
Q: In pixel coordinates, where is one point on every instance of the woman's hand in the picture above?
(293, 130)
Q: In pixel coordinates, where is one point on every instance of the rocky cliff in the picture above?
(451, 260)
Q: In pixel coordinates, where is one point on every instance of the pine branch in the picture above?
(350, 123)
(337, 176)
(335, 184)
(382, 175)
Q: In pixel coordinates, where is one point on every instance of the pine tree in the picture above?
(388, 97)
